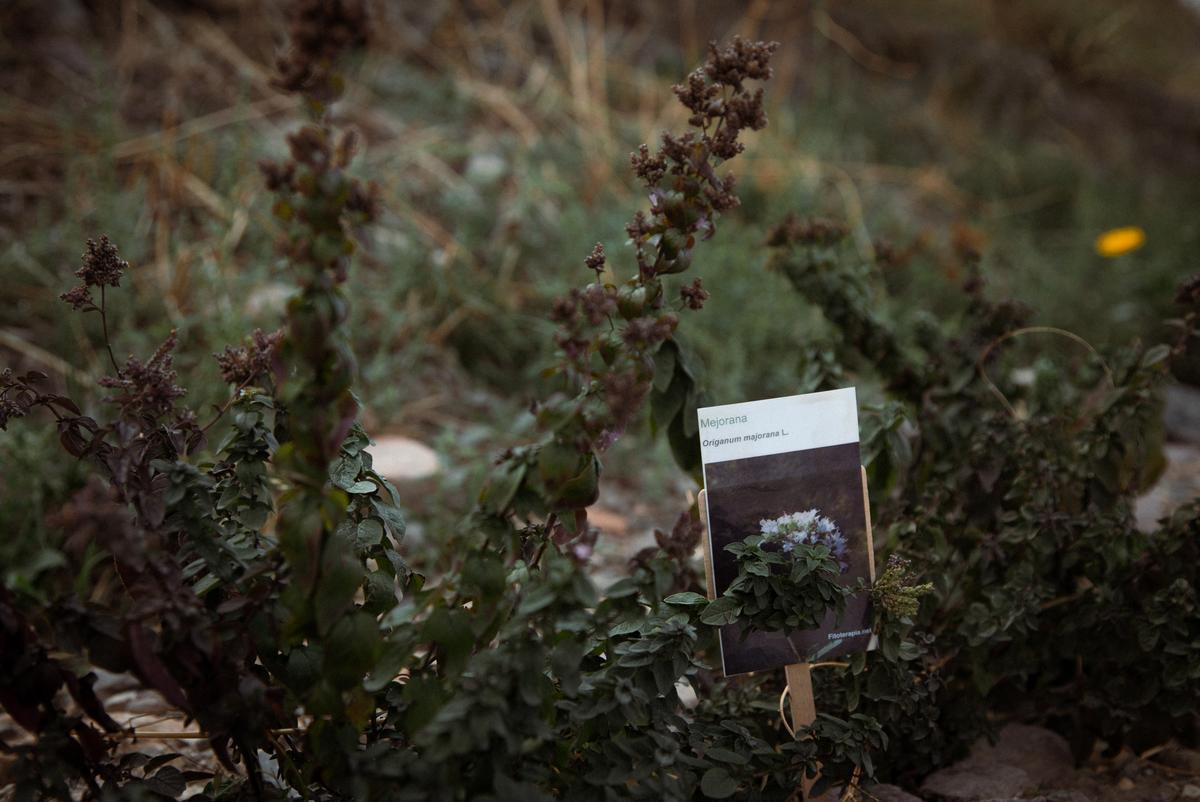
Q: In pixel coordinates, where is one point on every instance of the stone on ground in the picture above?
(1023, 759)
(887, 793)
(402, 459)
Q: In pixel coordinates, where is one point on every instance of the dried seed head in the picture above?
(319, 32)
(146, 389)
(1189, 293)
(243, 364)
(596, 259)
(101, 264)
(810, 231)
(102, 267)
(694, 295)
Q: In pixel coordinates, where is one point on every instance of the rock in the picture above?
(1050, 796)
(403, 459)
(138, 701)
(1181, 413)
(1179, 483)
(1044, 755)
(888, 793)
(1063, 796)
(1179, 757)
(1022, 759)
(485, 168)
(108, 683)
(973, 783)
(1190, 791)
(1125, 784)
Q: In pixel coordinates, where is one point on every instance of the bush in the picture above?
(1016, 501)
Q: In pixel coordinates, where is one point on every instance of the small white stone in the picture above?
(485, 168)
(403, 459)
(1190, 791)
(268, 300)
(687, 694)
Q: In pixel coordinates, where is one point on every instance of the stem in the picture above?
(225, 407)
(104, 325)
(551, 520)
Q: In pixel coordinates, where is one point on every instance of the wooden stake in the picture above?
(867, 518)
(799, 675)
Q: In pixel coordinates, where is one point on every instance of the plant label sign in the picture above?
(788, 469)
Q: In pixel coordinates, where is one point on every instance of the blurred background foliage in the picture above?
(500, 134)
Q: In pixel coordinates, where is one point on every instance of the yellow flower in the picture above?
(1117, 241)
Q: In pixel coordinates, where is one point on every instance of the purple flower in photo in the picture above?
(806, 527)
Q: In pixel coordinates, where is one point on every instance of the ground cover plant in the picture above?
(250, 565)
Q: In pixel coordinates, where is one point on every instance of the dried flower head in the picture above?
(623, 394)
(146, 389)
(694, 295)
(80, 298)
(278, 176)
(310, 146)
(243, 364)
(319, 32)
(810, 231)
(364, 200)
(649, 168)
(596, 259)
(739, 61)
(102, 267)
(1188, 294)
(598, 303)
(610, 333)
(647, 333)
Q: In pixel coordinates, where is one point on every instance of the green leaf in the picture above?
(541, 597)
(379, 591)
(369, 533)
(664, 404)
(621, 588)
(340, 578)
(391, 516)
(724, 610)
(502, 487)
(450, 630)
(351, 650)
(726, 755)
(717, 784)
(686, 599)
(393, 657)
(664, 366)
(1155, 355)
(625, 627)
(345, 471)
